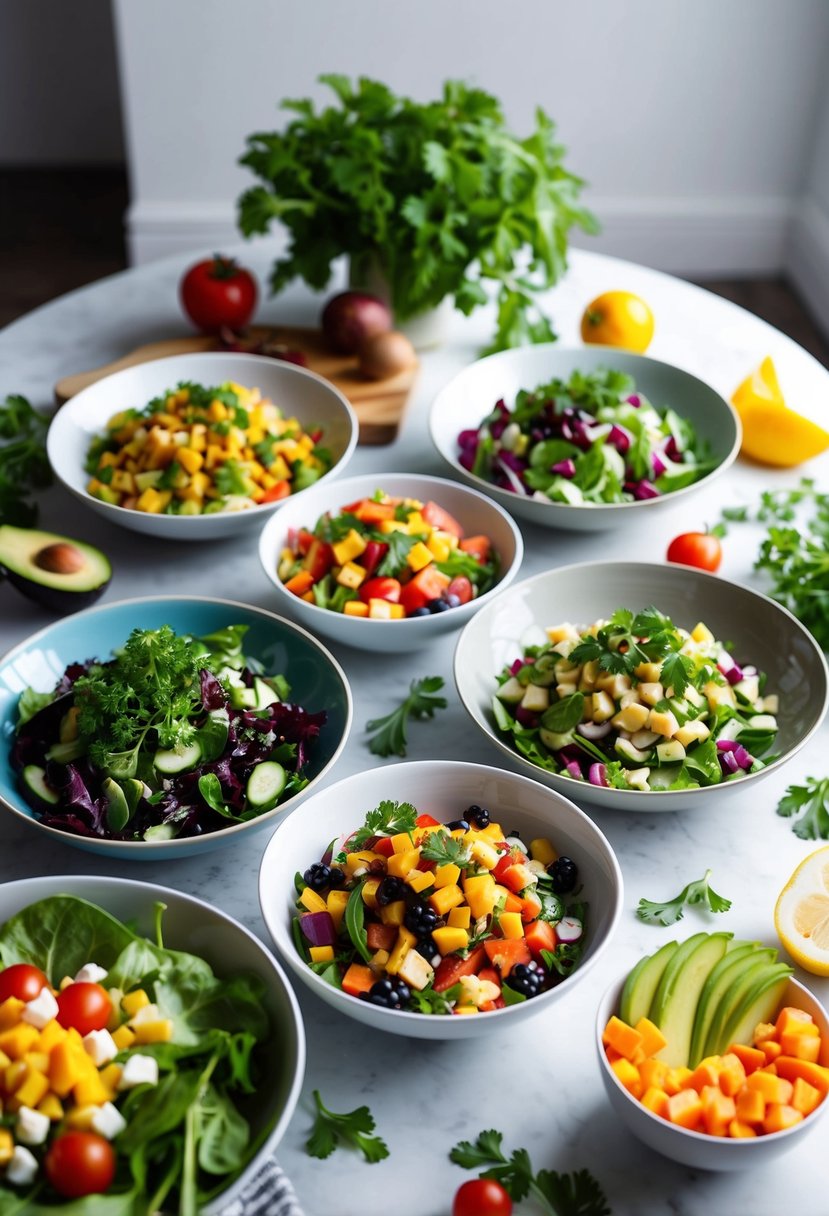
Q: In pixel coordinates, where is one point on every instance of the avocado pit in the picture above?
(59, 558)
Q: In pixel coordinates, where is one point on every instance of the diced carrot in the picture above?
(656, 1100)
(540, 935)
(531, 906)
(801, 1045)
(624, 1038)
(438, 518)
(358, 979)
(751, 1106)
(707, 1072)
(751, 1058)
(513, 903)
(612, 1054)
(770, 1048)
(477, 547)
(380, 937)
(653, 1040)
(774, 1089)
(280, 489)
(654, 1074)
(685, 1108)
(370, 512)
(805, 1097)
(717, 1110)
(732, 1074)
(302, 581)
(791, 1068)
(779, 1116)
(452, 968)
(506, 954)
(628, 1075)
(738, 1130)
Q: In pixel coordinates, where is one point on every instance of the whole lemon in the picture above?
(618, 318)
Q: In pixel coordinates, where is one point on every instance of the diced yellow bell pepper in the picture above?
(321, 954)
(351, 575)
(447, 875)
(404, 943)
(335, 903)
(158, 1031)
(123, 1037)
(419, 880)
(311, 900)
(393, 913)
(133, 1001)
(369, 892)
(512, 925)
(18, 1040)
(418, 556)
(51, 1034)
(35, 1087)
(10, 1012)
(6, 1146)
(399, 864)
(351, 546)
(52, 1107)
(479, 891)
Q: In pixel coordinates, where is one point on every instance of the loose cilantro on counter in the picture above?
(354, 1128)
(390, 739)
(668, 913)
(808, 806)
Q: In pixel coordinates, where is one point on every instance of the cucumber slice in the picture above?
(179, 759)
(265, 784)
(242, 697)
(265, 695)
(213, 734)
(65, 753)
(160, 831)
(34, 778)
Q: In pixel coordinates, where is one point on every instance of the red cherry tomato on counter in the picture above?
(700, 549)
(217, 293)
(23, 981)
(380, 589)
(85, 1006)
(482, 1197)
(80, 1163)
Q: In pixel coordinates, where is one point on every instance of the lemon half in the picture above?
(772, 433)
(801, 914)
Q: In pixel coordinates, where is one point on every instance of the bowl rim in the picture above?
(514, 354)
(726, 585)
(51, 883)
(317, 613)
(163, 847)
(610, 998)
(66, 412)
(404, 1017)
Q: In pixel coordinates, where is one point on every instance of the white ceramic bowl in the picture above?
(476, 513)
(697, 1149)
(444, 789)
(297, 391)
(199, 928)
(316, 678)
(762, 631)
(467, 399)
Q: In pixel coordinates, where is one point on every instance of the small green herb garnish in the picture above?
(698, 892)
(628, 640)
(354, 1128)
(446, 850)
(811, 803)
(387, 819)
(575, 1194)
(390, 739)
(24, 465)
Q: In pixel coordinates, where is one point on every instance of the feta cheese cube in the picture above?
(100, 1045)
(147, 1013)
(139, 1070)
(42, 1009)
(108, 1121)
(91, 973)
(32, 1127)
(22, 1169)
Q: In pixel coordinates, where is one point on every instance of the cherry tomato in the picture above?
(217, 293)
(380, 589)
(23, 981)
(699, 549)
(461, 587)
(481, 1197)
(80, 1163)
(85, 1006)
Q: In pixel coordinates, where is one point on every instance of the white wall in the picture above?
(693, 122)
(808, 254)
(59, 98)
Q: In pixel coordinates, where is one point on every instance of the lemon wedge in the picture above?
(801, 914)
(773, 433)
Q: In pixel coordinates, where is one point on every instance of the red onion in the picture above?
(728, 668)
(516, 667)
(634, 399)
(729, 762)
(574, 769)
(318, 928)
(564, 468)
(514, 481)
(727, 745)
(619, 438)
(742, 757)
(468, 439)
(672, 449)
(658, 464)
(526, 717)
(594, 730)
(598, 775)
(644, 489)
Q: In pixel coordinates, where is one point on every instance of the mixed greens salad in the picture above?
(174, 736)
(591, 439)
(151, 1106)
(635, 702)
(458, 918)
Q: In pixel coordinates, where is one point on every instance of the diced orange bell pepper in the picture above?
(301, 582)
(358, 979)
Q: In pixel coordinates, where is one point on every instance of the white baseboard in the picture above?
(693, 237)
(807, 262)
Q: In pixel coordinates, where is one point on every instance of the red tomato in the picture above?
(481, 1197)
(380, 589)
(461, 587)
(80, 1163)
(699, 549)
(217, 292)
(23, 981)
(85, 1006)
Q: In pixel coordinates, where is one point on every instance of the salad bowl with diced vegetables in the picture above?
(582, 439)
(640, 686)
(439, 899)
(154, 1051)
(163, 727)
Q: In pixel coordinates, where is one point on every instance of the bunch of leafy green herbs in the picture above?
(24, 465)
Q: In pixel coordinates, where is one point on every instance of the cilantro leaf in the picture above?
(387, 819)
(390, 737)
(811, 803)
(446, 850)
(24, 466)
(400, 544)
(354, 1128)
(668, 913)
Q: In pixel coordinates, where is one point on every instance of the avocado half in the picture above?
(58, 572)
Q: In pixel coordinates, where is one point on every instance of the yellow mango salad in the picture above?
(196, 450)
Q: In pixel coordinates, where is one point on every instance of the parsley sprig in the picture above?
(390, 738)
(354, 1128)
(575, 1194)
(808, 806)
(387, 819)
(629, 639)
(698, 892)
(24, 465)
(446, 850)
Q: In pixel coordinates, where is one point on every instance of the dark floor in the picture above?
(60, 229)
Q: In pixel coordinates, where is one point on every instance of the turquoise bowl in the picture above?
(316, 678)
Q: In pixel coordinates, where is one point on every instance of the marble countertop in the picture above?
(541, 1089)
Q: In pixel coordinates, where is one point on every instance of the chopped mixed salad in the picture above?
(173, 736)
(387, 558)
(125, 1066)
(636, 703)
(457, 918)
(197, 450)
(591, 439)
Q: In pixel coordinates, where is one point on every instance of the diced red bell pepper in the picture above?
(370, 512)
(304, 540)
(380, 937)
(427, 821)
(451, 968)
(425, 865)
(380, 589)
(441, 519)
(505, 953)
(427, 585)
(490, 974)
(476, 546)
(372, 555)
(319, 559)
(510, 859)
(279, 490)
(540, 935)
(384, 846)
(462, 587)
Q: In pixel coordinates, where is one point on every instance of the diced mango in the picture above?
(751, 1106)
(738, 1130)
(90, 1091)
(418, 556)
(512, 925)
(321, 954)
(34, 1087)
(52, 1107)
(393, 913)
(447, 875)
(805, 1097)
(158, 1031)
(110, 1076)
(133, 1001)
(685, 1109)
(460, 917)
(10, 1012)
(485, 854)
(653, 1040)
(355, 608)
(718, 1109)
(750, 1057)
(351, 546)
(801, 1045)
(399, 864)
(359, 859)
(774, 1089)
(404, 943)
(656, 1099)
(732, 1074)
(420, 880)
(628, 1075)
(123, 1037)
(446, 898)
(448, 940)
(51, 1034)
(622, 1037)
(779, 1116)
(368, 892)
(791, 1068)
(66, 1066)
(6, 1146)
(19, 1039)
(351, 575)
(480, 894)
(655, 1075)
(312, 900)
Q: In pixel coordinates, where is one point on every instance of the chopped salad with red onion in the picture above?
(591, 439)
(636, 703)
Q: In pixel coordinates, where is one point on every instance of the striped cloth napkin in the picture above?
(269, 1194)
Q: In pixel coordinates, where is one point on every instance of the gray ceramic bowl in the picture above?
(199, 928)
(763, 633)
(471, 395)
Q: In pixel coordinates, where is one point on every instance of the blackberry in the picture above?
(427, 947)
(564, 873)
(421, 611)
(454, 601)
(439, 605)
(479, 816)
(526, 979)
(318, 876)
(390, 890)
(388, 994)
(458, 825)
(336, 879)
(420, 919)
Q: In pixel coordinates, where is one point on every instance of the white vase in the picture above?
(425, 329)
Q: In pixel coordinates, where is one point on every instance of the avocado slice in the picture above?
(642, 983)
(759, 1004)
(675, 1002)
(743, 979)
(56, 571)
(718, 981)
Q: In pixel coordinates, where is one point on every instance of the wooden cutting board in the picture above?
(378, 404)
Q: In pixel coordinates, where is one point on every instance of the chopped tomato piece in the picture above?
(514, 877)
(370, 512)
(281, 489)
(427, 585)
(504, 953)
(441, 519)
(477, 547)
(380, 937)
(452, 968)
(540, 935)
(380, 589)
(513, 903)
(530, 906)
(302, 581)
(490, 974)
(426, 821)
(461, 587)
(319, 559)
(384, 846)
(304, 540)
(373, 554)
(510, 859)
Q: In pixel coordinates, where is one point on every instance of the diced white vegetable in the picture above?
(515, 842)
(536, 867)
(477, 992)
(509, 435)
(637, 778)
(644, 738)
(100, 1046)
(764, 722)
(651, 693)
(663, 723)
(569, 928)
(648, 673)
(108, 1121)
(565, 647)
(139, 1070)
(691, 732)
(631, 717)
(630, 697)
(511, 691)
(671, 752)
(626, 749)
(563, 633)
(602, 707)
(22, 1169)
(91, 973)
(536, 699)
(771, 704)
(749, 686)
(719, 694)
(415, 970)
(694, 696)
(31, 1127)
(40, 1010)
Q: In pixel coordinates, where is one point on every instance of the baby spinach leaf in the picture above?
(222, 1133)
(563, 715)
(61, 934)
